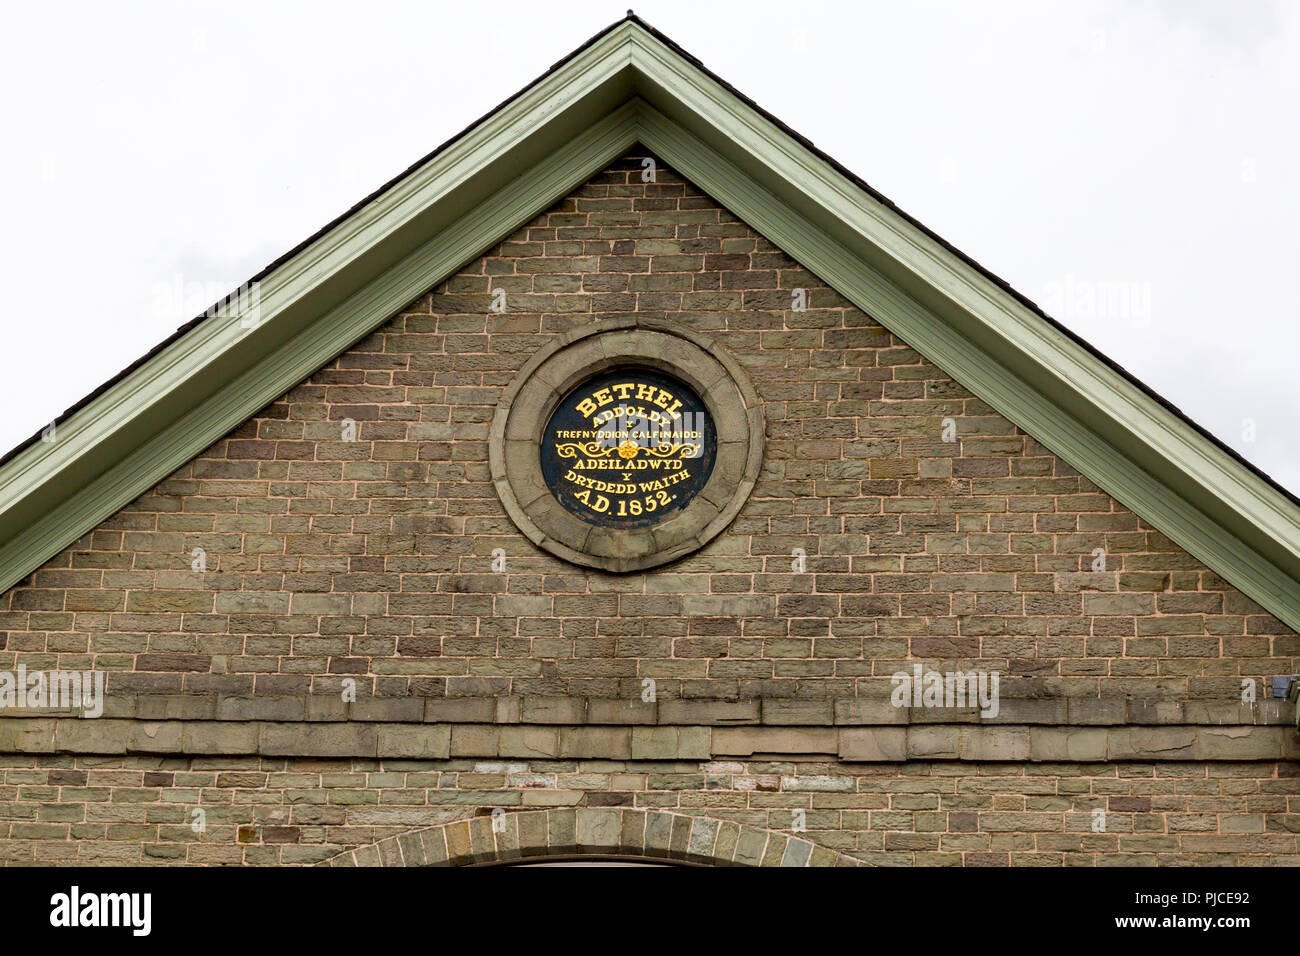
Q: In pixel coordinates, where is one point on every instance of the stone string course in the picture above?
(371, 561)
(771, 711)
(932, 741)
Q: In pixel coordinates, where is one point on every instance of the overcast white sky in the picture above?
(1129, 165)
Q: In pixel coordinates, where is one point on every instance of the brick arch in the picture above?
(532, 835)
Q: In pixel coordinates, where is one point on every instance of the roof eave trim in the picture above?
(1130, 445)
(226, 368)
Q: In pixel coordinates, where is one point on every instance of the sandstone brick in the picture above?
(598, 830)
(529, 742)
(670, 743)
(1068, 743)
(995, 743)
(460, 710)
(610, 743)
(474, 740)
(817, 713)
(211, 737)
(1143, 743)
(261, 708)
(613, 711)
(873, 743)
(746, 741)
(318, 740)
(932, 742)
(554, 710)
(865, 711)
(1239, 743)
(677, 711)
(422, 743)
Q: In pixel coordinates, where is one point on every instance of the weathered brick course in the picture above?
(273, 810)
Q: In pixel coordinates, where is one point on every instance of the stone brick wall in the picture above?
(264, 811)
(328, 559)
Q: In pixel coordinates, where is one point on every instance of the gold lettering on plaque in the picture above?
(636, 446)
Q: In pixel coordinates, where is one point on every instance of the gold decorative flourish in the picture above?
(665, 449)
(628, 450)
(574, 449)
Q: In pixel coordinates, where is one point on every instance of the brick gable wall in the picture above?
(371, 559)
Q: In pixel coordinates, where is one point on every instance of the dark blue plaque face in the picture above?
(628, 448)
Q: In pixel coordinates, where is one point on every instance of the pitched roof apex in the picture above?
(627, 84)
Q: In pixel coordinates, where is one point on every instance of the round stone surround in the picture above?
(675, 526)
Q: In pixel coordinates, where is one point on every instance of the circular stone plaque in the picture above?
(626, 444)
(628, 448)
